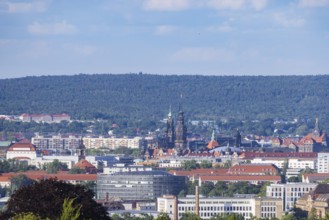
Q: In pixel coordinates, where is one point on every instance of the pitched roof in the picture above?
(84, 164)
(62, 175)
(254, 168)
(224, 178)
(26, 146)
(213, 144)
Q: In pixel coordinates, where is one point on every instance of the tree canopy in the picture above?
(46, 198)
(140, 101)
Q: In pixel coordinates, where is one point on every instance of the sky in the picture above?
(206, 37)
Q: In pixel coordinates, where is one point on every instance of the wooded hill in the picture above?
(139, 96)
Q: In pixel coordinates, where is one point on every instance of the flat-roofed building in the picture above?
(289, 193)
(139, 185)
(245, 205)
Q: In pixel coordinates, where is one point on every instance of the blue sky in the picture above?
(207, 37)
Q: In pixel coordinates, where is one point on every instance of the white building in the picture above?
(22, 151)
(124, 168)
(323, 162)
(112, 142)
(56, 142)
(296, 163)
(245, 205)
(289, 193)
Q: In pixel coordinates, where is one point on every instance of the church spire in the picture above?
(213, 135)
(169, 114)
(316, 131)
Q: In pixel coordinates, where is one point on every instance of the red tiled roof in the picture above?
(254, 169)
(84, 164)
(62, 175)
(262, 178)
(198, 172)
(212, 144)
(24, 145)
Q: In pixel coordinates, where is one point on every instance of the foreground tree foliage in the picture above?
(46, 198)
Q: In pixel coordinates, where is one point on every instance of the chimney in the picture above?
(197, 200)
(175, 208)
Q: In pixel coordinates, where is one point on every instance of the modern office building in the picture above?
(246, 205)
(139, 185)
(289, 193)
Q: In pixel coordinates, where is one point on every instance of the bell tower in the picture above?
(180, 132)
(170, 131)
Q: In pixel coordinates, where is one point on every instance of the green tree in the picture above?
(206, 188)
(55, 166)
(69, 211)
(163, 216)
(19, 181)
(263, 189)
(190, 165)
(49, 195)
(206, 164)
(27, 216)
(190, 216)
(76, 170)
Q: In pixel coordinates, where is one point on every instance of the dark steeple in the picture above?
(237, 138)
(180, 131)
(170, 132)
(81, 150)
(316, 131)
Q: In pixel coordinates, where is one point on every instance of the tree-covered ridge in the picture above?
(139, 96)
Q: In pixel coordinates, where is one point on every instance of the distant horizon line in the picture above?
(163, 74)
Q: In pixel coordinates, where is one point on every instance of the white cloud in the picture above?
(59, 28)
(164, 29)
(24, 7)
(166, 5)
(313, 3)
(202, 54)
(258, 4)
(226, 4)
(282, 19)
(82, 49)
(225, 27)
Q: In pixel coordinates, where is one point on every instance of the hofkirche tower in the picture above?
(170, 131)
(176, 134)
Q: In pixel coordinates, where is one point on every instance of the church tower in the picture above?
(180, 132)
(316, 131)
(170, 131)
(81, 150)
(237, 139)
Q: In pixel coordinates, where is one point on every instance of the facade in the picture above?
(125, 168)
(112, 142)
(254, 169)
(246, 205)
(295, 163)
(56, 142)
(323, 162)
(71, 143)
(252, 179)
(289, 193)
(140, 185)
(22, 151)
(316, 201)
(44, 118)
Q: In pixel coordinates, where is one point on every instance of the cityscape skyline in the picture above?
(206, 37)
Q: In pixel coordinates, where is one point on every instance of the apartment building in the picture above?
(112, 142)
